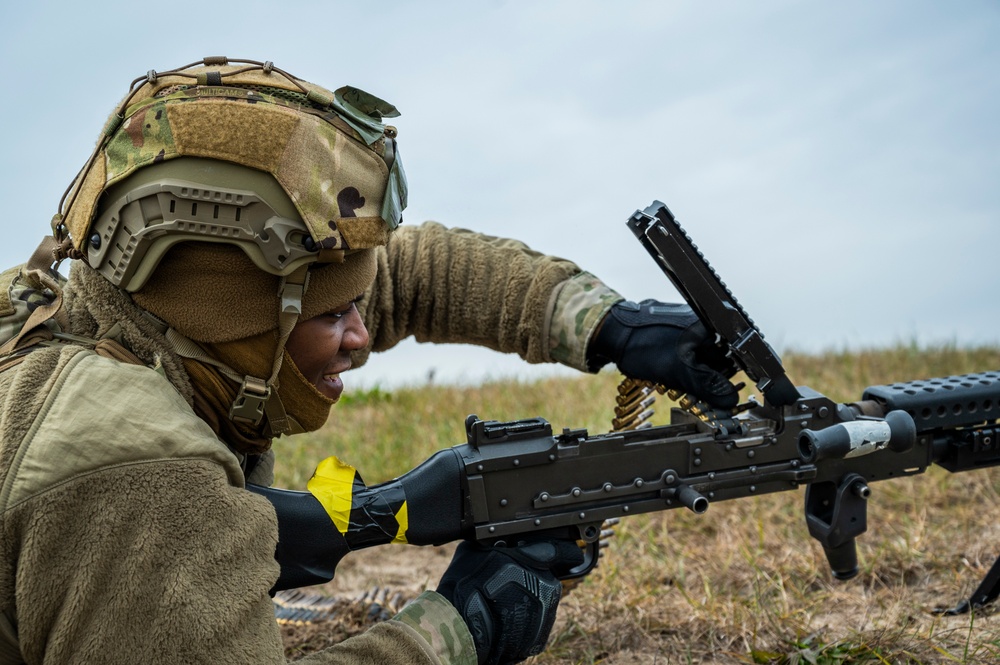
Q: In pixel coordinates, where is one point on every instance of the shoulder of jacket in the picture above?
(95, 413)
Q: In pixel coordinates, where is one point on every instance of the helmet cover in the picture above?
(329, 152)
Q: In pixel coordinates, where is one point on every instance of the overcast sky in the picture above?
(838, 162)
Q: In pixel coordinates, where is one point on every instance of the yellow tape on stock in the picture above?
(404, 523)
(333, 486)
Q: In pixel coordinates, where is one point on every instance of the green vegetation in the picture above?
(743, 583)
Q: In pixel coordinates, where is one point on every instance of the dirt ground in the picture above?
(618, 629)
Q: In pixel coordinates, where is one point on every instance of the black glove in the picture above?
(667, 344)
(508, 595)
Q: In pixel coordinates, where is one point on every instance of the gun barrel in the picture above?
(945, 402)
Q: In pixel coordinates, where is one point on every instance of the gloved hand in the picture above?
(508, 595)
(667, 344)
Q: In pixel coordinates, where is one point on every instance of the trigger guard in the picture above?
(591, 553)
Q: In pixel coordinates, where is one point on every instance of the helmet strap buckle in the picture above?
(249, 406)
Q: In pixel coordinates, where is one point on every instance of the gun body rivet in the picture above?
(576, 491)
(503, 502)
(493, 529)
(544, 496)
(751, 454)
(753, 488)
(479, 468)
(517, 462)
(670, 479)
(608, 487)
(552, 457)
(697, 461)
(538, 522)
(729, 447)
(697, 451)
(583, 515)
(624, 509)
(638, 482)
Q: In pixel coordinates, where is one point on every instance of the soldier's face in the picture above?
(321, 347)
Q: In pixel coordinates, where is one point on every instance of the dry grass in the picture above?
(743, 583)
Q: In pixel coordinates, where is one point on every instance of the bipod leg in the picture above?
(985, 593)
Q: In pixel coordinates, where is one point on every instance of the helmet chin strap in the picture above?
(258, 398)
(291, 291)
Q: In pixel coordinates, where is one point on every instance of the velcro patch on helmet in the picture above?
(252, 135)
(363, 232)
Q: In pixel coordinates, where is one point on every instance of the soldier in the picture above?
(231, 236)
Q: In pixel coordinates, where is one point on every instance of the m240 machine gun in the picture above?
(515, 481)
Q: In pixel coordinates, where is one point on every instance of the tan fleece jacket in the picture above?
(126, 535)
(455, 286)
(125, 532)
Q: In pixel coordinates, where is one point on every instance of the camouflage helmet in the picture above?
(329, 152)
(241, 153)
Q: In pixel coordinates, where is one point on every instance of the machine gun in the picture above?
(515, 481)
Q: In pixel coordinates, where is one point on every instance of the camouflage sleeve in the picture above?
(18, 299)
(579, 305)
(438, 623)
(427, 630)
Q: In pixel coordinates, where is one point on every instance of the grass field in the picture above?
(743, 583)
